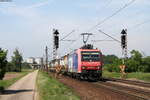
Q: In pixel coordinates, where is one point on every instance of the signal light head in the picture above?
(56, 41)
(124, 31)
(56, 32)
(123, 41)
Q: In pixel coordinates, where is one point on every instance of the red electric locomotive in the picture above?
(85, 63)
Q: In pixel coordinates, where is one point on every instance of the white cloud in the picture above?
(24, 11)
(38, 5)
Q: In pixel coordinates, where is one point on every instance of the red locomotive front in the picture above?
(90, 63)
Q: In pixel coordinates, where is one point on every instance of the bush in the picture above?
(136, 63)
(3, 63)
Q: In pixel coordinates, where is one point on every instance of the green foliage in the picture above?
(3, 63)
(114, 66)
(136, 63)
(26, 66)
(136, 55)
(146, 64)
(132, 65)
(10, 67)
(17, 60)
(108, 59)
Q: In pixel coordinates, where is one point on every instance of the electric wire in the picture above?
(119, 10)
(67, 35)
(142, 23)
(101, 22)
(109, 36)
(72, 42)
(131, 28)
(112, 38)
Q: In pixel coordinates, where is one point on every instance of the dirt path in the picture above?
(11, 76)
(24, 89)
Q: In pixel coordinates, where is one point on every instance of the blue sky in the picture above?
(28, 24)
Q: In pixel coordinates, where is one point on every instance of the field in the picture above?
(135, 75)
(50, 89)
(9, 81)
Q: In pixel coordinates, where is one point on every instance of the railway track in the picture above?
(132, 82)
(137, 94)
(121, 90)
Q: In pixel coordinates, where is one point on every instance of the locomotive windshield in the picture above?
(90, 56)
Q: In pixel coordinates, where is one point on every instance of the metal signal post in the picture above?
(55, 43)
(124, 44)
(46, 60)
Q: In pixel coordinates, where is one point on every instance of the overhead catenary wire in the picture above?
(139, 24)
(67, 35)
(126, 5)
(131, 28)
(64, 38)
(68, 40)
(105, 39)
(109, 36)
(119, 10)
(72, 42)
(101, 40)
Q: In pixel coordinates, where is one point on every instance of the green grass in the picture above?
(140, 76)
(6, 83)
(137, 75)
(51, 89)
(111, 74)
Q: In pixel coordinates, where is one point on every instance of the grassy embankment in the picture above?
(6, 83)
(50, 89)
(137, 75)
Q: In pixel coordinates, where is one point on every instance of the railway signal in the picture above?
(56, 40)
(124, 51)
(55, 43)
(124, 38)
(124, 43)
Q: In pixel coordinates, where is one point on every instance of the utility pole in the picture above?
(86, 35)
(46, 60)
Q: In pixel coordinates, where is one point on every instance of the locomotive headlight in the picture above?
(83, 67)
(98, 67)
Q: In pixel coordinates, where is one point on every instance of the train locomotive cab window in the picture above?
(90, 56)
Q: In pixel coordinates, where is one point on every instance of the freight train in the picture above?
(83, 63)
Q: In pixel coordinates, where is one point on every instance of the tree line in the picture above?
(15, 65)
(136, 63)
